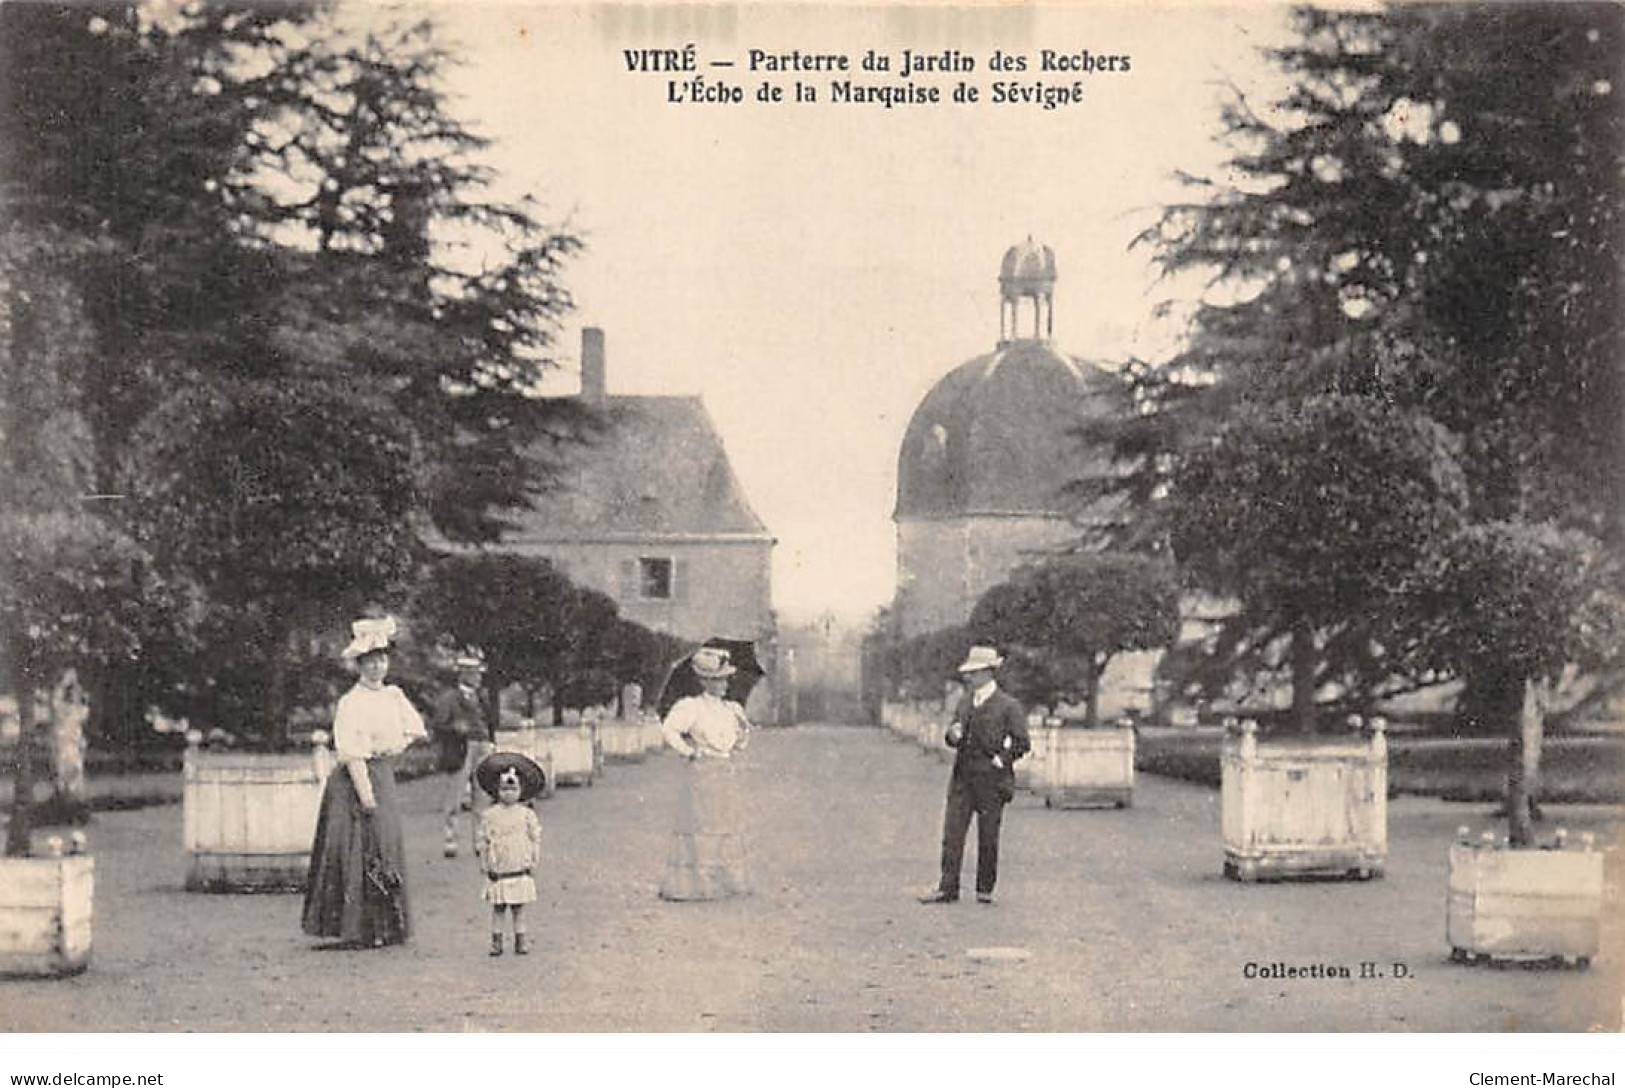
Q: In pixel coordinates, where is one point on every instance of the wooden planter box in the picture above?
(1031, 771)
(913, 725)
(1087, 767)
(1304, 806)
(653, 739)
(622, 741)
(568, 753)
(45, 914)
(249, 817)
(930, 727)
(926, 732)
(1524, 904)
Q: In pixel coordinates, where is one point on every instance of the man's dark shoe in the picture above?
(985, 897)
(940, 897)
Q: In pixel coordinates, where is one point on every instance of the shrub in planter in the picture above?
(1515, 603)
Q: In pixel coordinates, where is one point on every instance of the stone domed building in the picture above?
(989, 452)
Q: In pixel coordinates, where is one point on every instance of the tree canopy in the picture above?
(297, 304)
(1428, 220)
(1064, 619)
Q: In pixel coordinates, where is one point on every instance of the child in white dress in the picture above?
(509, 843)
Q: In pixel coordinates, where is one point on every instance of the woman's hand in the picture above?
(357, 770)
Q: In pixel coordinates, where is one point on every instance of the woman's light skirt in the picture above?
(708, 857)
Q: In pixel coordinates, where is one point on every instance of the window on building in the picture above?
(654, 579)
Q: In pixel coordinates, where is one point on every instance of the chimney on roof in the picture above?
(592, 365)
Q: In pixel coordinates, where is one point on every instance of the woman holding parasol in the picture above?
(355, 890)
(708, 855)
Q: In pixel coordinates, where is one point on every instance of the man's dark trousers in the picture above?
(967, 794)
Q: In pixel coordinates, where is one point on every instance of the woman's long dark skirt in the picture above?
(338, 902)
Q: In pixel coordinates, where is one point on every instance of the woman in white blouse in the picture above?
(708, 856)
(355, 891)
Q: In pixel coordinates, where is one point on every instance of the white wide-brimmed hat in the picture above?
(367, 635)
(710, 663)
(471, 658)
(980, 657)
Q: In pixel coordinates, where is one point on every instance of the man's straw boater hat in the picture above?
(980, 657)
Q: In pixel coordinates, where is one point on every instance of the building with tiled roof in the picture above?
(651, 513)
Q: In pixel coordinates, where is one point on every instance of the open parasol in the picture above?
(681, 682)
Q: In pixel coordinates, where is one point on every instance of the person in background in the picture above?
(463, 729)
(356, 889)
(989, 729)
(708, 854)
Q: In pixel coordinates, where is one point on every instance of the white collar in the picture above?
(983, 693)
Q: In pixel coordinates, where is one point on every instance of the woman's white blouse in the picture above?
(714, 727)
(375, 722)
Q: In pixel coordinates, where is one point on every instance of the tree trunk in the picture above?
(1523, 777)
(20, 831)
(69, 710)
(1091, 706)
(276, 695)
(1303, 678)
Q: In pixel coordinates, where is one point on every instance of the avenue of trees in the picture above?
(263, 332)
(1390, 445)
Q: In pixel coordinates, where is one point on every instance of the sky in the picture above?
(812, 269)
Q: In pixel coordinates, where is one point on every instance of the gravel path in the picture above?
(1106, 921)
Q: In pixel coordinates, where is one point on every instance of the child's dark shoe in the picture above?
(496, 944)
(521, 944)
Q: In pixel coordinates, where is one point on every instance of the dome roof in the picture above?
(997, 435)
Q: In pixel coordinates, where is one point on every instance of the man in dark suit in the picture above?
(464, 733)
(989, 729)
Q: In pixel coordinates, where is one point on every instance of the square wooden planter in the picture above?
(249, 818)
(568, 753)
(653, 739)
(1086, 768)
(1524, 904)
(622, 740)
(1030, 772)
(1304, 807)
(45, 915)
(929, 730)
